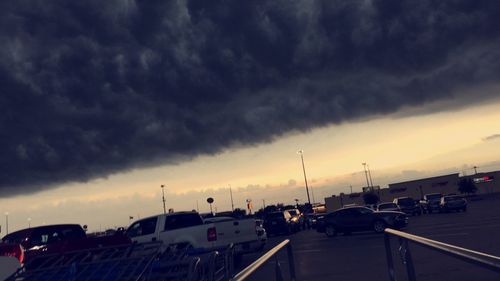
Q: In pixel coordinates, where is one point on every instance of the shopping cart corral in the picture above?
(138, 262)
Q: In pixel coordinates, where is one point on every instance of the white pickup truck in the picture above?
(189, 229)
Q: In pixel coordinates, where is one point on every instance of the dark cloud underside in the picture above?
(89, 88)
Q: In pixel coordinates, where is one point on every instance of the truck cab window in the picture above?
(143, 227)
(182, 220)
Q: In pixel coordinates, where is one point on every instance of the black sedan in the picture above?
(352, 219)
(280, 222)
(453, 203)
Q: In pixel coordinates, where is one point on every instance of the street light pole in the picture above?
(163, 198)
(231, 193)
(7, 222)
(370, 176)
(301, 152)
(366, 175)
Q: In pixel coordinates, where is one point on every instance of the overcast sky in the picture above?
(104, 101)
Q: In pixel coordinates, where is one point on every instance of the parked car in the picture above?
(388, 206)
(297, 217)
(349, 205)
(408, 205)
(313, 219)
(280, 222)
(430, 202)
(453, 203)
(53, 239)
(371, 206)
(188, 229)
(352, 219)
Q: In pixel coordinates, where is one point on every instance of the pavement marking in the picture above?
(454, 225)
(460, 227)
(308, 251)
(447, 234)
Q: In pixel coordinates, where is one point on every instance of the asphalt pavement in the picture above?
(362, 256)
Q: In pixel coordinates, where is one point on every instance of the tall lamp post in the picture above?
(163, 198)
(301, 152)
(7, 222)
(231, 193)
(366, 175)
(370, 176)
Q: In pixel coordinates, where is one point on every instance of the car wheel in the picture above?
(379, 226)
(464, 209)
(330, 231)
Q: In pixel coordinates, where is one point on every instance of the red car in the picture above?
(53, 239)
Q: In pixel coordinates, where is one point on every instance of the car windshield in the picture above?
(274, 215)
(452, 198)
(387, 206)
(363, 210)
(433, 196)
(16, 237)
(406, 202)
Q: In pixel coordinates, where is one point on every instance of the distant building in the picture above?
(416, 189)
(488, 182)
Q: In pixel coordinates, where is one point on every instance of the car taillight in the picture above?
(211, 234)
(13, 251)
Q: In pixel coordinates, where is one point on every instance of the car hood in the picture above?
(389, 210)
(457, 202)
(408, 206)
(383, 213)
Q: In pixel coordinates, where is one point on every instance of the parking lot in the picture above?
(361, 256)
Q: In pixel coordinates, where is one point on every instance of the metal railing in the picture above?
(249, 270)
(477, 258)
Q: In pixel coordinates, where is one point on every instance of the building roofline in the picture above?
(480, 174)
(442, 176)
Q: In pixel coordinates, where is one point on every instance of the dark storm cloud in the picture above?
(90, 88)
